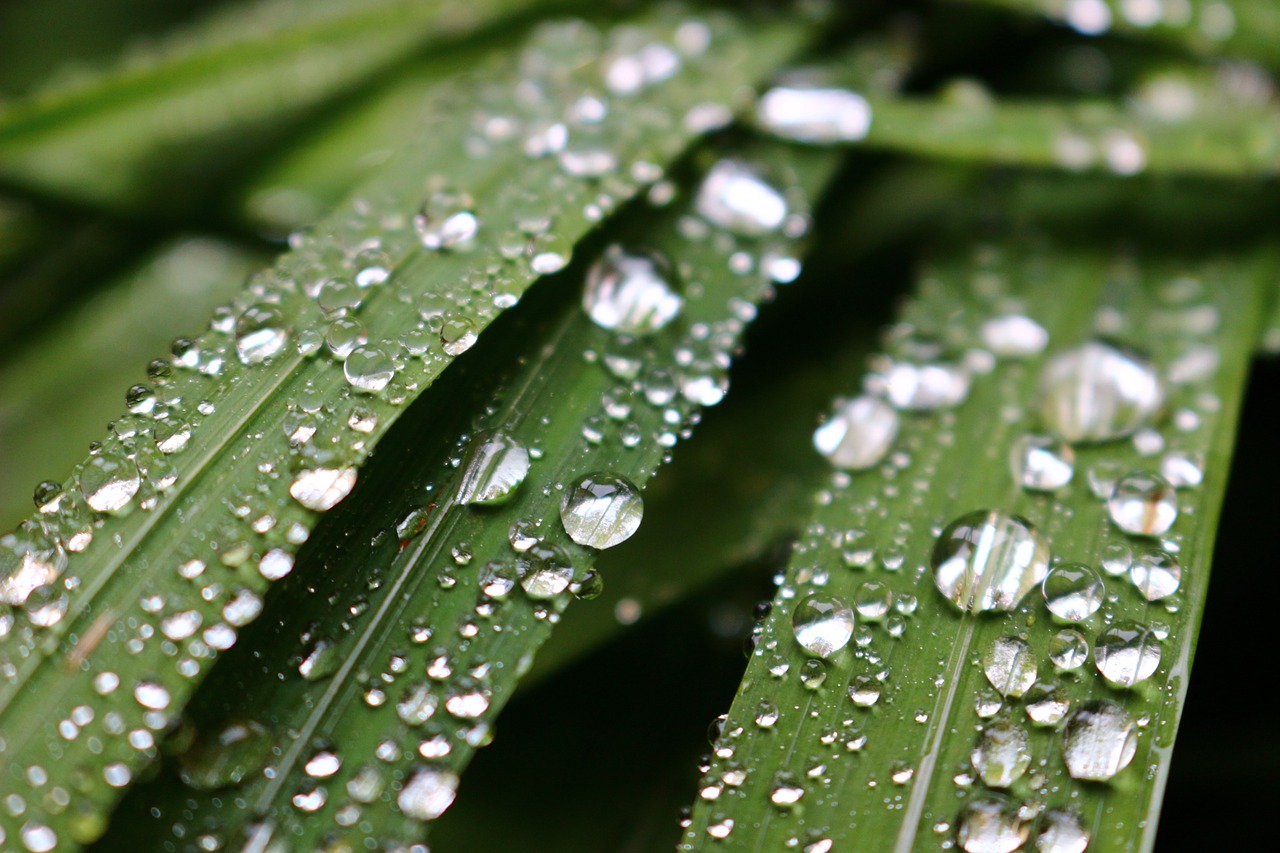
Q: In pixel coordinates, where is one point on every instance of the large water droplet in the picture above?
(548, 572)
(321, 489)
(1156, 574)
(368, 369)
(1062, 832)
(1143, 503)
(1127, 653)
(1068, 650)
(1097, 392)
(991, 826)
(1042, 463)
(261, 332)
(819, 115)
(988, 560)
(1099, 741)
(1047, 703)
(1010, 666)
(1002, 755)
(495, 467)
(735, 197)
(109, 480)
(859, 434)
(1073, 591)
(632, 293)
(823, 624)
(427, 794)
(601, 510)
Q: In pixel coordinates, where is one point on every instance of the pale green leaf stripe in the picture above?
(570, 387)
(221, 497)
(115, 137)
(1246, 28)
(905, 787)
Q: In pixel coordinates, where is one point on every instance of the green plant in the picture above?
(282, 602)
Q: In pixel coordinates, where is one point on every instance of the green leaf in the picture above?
(876, 748)
(162, 542)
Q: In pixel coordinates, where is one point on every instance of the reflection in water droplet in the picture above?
(1003, 754)
(812, 114)
(1099, 741)
(427, 794)
(1042, 463)
(1073, 591)
(1156, 574)
(859, 434)
(1010, 666)
(988, 560)
(1097, 392)
(601, 510)
(1143, 503)
(734, 197)
(823, 624)
(322, 489)
(631, 293)
(261, 332)
(1062, 832)
(991, 826)
(495, 466)
(1127, 653)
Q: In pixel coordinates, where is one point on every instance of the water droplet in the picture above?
(446, 221)
(988, 560)
(322, 764)
(1184, 469)
(1099, 741)
(427, 794)
(1062, 832)
(1042, 463)
(864, 691)
(991, 826)
(1073, 591)
(735, 197)
(1116, 558)
(322, 489)
(812, 114)
(631, 293)
(549, 253)
(601, 510)
(922, 387)
(859, 434)
(1010, 666)
(823, 624)
(1156, 574)
(495, 466)
(1003, 754)
(872, 600)
(786, 790)
(549, 573)
(1097, 392)
(1127, 653)
(1047, 703)
(417, 705)
(1014, 336)
(1143, 503)
(38, 838)
(261, 332)
(368, 369)
(109, 480)
(457, 336)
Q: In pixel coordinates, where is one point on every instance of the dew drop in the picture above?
(1099, 741)
(991, 826)
(1014, 336)
(823, 624)
(601, 510)
(261, 332)
(427, 794)
(631, 292)
(735, 197)
(1127, 653)
(1156, 574)
(1062, 831)
(1003, 754)
(859, 434)
(321, 489)
(1042, 463)
(1098, 392)
(109, 480)
(1010, 666)
(495, 466)
(549, 574)
(812, 114)
(1183, 469)
(1143, 503)
(1073, 591)
(988, 560)
(457, 336)
(368, 369)
(922, 386)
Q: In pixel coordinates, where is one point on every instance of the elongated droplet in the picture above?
(1127, 653)
(495, 466)
(631, 293)
(1143, 503)
(823, 624)
(819, 115)
(859, 434)
(735, 197)
(1099, 741)
(1098, 392)
(1073, 591)
(601, 510)
(1042, 463)
(989, 560)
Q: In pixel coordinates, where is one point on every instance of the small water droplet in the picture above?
(322, 489)
(1014, 336)
(859, 434)
(814, 114)
(1073, 591)
(631, 292)
(1143, 503)
(1127, 653)
(1042, 463)
(495, 466)
(823, 624)
(601, 510)
(457, 336)
(549, 573)
(988, 560)
(1099, 741)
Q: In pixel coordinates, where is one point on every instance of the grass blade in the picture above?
(162, 542)
(822, 768)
